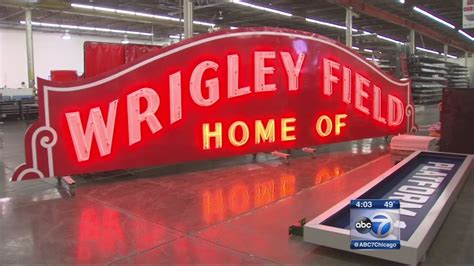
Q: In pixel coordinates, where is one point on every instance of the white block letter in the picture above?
(233, 89)
(377, 114)
(212, 84)
(360, 94)
(104, 134)
(292, 70)
(395, 111)
(135, 117)
(329, 79)
(176, 109)
(346, 85)
(261, 70)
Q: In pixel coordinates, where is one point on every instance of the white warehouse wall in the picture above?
(50, 52)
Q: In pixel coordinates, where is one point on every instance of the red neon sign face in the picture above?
(221, 94)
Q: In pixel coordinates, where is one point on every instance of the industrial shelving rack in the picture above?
(429, 77)
(387, 56)
(458, 76)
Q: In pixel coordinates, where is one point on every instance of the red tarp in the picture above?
(135, 51)
(64, 75)
(100, 57)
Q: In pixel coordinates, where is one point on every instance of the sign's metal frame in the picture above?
(411, 251)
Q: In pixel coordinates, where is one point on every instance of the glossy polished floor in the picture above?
(233, 211)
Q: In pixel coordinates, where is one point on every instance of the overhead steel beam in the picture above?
(12, 15)
(370, 10)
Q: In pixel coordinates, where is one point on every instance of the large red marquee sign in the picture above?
(221, 94)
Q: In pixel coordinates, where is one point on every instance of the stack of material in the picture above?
(413, 143)
(403, 145)
(435, 130)
(458, 76)
(1, 137)
(432, 130)
(428, 76)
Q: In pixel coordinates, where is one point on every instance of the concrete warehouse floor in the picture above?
(232, 211)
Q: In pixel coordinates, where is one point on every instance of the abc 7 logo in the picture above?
(379, 225)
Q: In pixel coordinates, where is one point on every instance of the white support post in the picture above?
(445, 52)
(29, 49)
(412, 42)
(152, 35)
(466, 55)
(349, 27)
(188, 18)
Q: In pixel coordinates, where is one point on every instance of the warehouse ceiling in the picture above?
(224, 13)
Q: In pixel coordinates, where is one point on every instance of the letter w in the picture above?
(95, 126)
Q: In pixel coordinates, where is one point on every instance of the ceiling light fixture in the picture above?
(389, 39)
(204, 23)
(82, 6)
(125, 12)
(372, 59)
(32, 23)
(49, 25)
(125, 40)
(5, 199)
(368, 50)
(434, 52)
(138, 14)
(117, 31)
(177, 36)
(450, 56)
(328, 24)
(66, 35)
(52, 25)
(67, 26)
(466, 35)
(106, 9)
(146, 15)
(262, 8)
(423, 12)
(427, 50)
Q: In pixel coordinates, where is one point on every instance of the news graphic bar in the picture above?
(375, 224)
(375, 204)
(375, 244)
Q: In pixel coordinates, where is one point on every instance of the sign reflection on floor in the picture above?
(222, 202)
